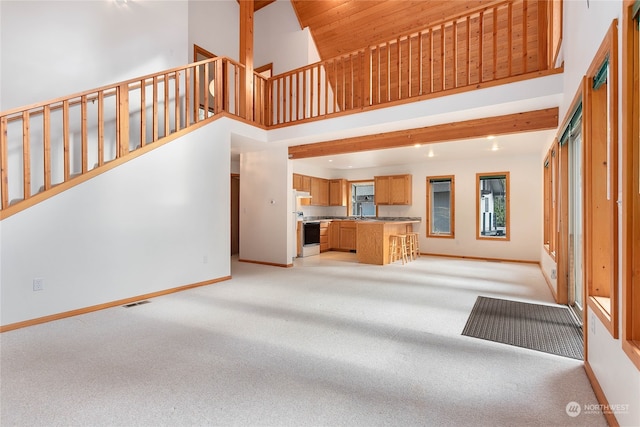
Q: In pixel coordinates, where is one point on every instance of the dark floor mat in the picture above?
(551, 329)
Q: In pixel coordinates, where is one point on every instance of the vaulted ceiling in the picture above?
(343, 26)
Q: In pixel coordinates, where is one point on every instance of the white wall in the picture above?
(214, 25)
(157, 222)
(266, 209)
(279, 39)
(55, 48)
(585, 26)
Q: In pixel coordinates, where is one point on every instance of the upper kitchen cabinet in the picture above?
(393, 189)
(301, 182)
(338, 192)
(319, 192)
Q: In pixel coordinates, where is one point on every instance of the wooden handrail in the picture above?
(490, 43)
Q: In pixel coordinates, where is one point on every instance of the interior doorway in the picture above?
(235, 214)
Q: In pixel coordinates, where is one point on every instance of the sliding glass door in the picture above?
(575, 217)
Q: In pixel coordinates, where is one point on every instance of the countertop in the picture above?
(394, 219)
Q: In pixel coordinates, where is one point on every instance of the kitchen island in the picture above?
(372, 237)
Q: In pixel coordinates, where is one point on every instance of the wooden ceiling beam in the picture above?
(477, 128)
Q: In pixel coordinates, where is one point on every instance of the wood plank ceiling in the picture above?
(342, 26)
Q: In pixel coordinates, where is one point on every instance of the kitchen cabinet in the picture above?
(347, 235)
(324, 236)
(342, 235)
(338, 192)
(393, 189)
(319, 191)
(334, 235)
(301, 182)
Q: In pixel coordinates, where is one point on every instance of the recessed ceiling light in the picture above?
(417, 145)
(491, 137)
(430, 153)
(495, 147)
(330, 160)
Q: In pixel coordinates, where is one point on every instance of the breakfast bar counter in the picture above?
(372, 237)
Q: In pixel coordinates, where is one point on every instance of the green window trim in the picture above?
(575, 119)
(602, 74)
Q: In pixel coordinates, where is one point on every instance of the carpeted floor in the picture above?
(551, 329)
(329, 342)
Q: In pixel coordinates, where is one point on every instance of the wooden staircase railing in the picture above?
(46, 144)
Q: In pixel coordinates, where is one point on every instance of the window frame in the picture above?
(630, 183)
(550, 178)
(601, 183)
(507, 235)
(452, 204)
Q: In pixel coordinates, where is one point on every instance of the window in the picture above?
(440, 206)
(492, 205)
(601, 183)
(631, 181)
(362, 199)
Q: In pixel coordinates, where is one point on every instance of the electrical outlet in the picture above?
(554, 274)
(592, 325)
(38, 284)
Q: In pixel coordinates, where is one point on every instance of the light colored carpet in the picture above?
(327, 343)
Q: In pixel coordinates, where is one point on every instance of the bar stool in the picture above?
(413, 243)
(398, 250)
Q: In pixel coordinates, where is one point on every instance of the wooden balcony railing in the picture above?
(494, 42)
(49, 143)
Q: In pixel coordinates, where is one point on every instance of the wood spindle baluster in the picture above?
(46, 145)
(84, 152)
(305, 101)
(311, 86)
(65, 137)
(187, 96)
(196, 95)
(298, 98)
(236, 90)
(143, 114)
(101, 126)
(26, 155)
(326, 88)
(123, 107)
(176, 105)
(155, 109)
(4, 173)
(205, 88)
(318, 86)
